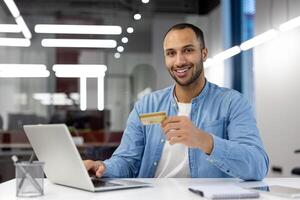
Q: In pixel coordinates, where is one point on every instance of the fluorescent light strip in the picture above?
(62, 74)
(80, 68)
(257, 40)
(227, 53)
(291, 24)
(23, 70)
(26, 32)
(28, 67)
(9, 28)
(12, 8)
(23, 74)
(84, 43)
(15, 42)
(82, 93)
(68, 71)
(100, 86)
(78, 29)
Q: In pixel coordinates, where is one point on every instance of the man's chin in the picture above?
(182, 83)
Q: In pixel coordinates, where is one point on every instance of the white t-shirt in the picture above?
(174, 161)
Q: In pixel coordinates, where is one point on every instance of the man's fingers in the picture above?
(174, 140)
(171, 127)
(89, 164)
(171, 119)
(174, 133)
(100, 168)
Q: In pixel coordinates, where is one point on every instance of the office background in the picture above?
(267, 73)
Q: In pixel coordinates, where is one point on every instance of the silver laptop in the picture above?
(53, 145)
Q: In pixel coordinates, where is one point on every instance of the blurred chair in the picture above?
(89, 119)
(17, 120)
(296, 170)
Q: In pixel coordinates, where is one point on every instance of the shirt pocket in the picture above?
(216, 127)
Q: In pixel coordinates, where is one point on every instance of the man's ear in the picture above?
(204, 54)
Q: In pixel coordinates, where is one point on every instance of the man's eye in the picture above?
(170, 53)
(188, 50)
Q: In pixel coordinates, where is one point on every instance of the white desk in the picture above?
(161, 189)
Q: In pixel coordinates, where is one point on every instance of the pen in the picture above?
(23, 178)
(197, 192)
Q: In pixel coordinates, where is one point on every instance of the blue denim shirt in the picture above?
(224, 113)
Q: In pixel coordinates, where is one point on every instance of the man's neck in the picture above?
(185, 94)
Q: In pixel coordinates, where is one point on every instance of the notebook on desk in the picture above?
(53, 145)
(223, 192)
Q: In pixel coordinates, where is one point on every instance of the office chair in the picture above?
(296, 170)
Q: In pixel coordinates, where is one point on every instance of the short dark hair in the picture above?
(197, 31)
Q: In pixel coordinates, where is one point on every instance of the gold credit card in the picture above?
(153, 118)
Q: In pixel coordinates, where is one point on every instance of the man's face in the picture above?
(184, 56)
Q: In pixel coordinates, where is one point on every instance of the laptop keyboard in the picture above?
(102, 183)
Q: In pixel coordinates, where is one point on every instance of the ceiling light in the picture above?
(12, 8)
(9, 28)
(15, 42)
(137, 16)
(66, 70)
(145, 1)
(23, 70)
(117, 55)
(28, 67)
(26, 32)
(120, 49)
(227, 53)
(124, 39)
(130, 29)
(257, 40)
(23, 74)
(293, 23)
(85, 43)
(78, 29)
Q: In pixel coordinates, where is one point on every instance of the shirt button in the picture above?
(162, 140)
(155, 163)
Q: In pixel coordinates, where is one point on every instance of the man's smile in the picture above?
(182, 72)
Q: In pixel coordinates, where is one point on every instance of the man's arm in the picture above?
(241, 155)
(126, 160)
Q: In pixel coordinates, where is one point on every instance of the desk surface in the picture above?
(163, 188)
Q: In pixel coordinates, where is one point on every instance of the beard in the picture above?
(195, 75)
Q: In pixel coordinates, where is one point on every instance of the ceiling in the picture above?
(92, 8)
(98, 12)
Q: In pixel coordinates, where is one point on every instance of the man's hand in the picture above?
(180, 129)
(95, 167)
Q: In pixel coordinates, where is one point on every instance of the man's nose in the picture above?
(180, 59)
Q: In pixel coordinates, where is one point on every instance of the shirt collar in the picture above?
(195, 99)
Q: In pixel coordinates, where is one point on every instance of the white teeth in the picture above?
(181, 70)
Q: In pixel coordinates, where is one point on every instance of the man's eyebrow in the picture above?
(189, 45)
(186, 46)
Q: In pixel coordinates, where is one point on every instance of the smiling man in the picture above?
(209, 132)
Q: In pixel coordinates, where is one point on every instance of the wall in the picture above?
(277, 82)
(16, 93)
(118, 88)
